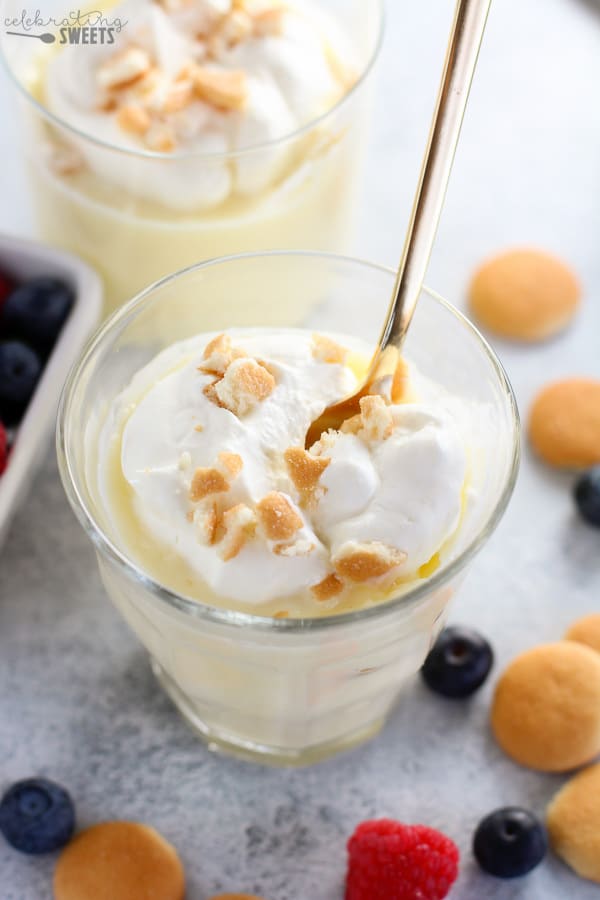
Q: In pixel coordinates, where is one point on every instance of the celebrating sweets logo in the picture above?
(78, 27)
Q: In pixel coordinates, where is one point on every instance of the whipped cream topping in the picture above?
(194, 77)
(210, 440)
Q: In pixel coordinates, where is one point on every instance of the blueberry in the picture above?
(458, 663)
(36, 311)
(587, 496)
(20, 369)
(37, 816)
(510, 842)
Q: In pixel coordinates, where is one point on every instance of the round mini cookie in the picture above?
(564, 423)
(573, 820)
(546, 708)
(586, 631)
(119, 861)
(236, 897)
(524, 294)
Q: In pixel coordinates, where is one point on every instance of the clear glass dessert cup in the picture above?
(284, 691)
(309, 202)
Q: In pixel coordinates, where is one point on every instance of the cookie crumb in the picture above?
(304, 470)
(231, 462)
(226, 89)
(123, 69)
(299, 548)
(360, 562)
(134, 119)
(207, 481)
(328, 351)
(218, 355)
(244, 385)
(278, 517)
(240, 524)
(377, 420)
(206, 520)
(329, 587)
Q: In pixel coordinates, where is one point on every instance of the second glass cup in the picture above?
(133, 241)
(285, 690)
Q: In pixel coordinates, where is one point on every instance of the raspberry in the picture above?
(391, 861)
(3, 448)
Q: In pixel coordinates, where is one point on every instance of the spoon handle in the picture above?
(461, 58)
(25, 34)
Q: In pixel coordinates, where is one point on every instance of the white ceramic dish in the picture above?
(24, 259)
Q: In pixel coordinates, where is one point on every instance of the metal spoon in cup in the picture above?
(461, 58)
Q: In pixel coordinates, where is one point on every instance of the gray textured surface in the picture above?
(78, 701)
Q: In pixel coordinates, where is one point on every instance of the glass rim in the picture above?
(223, 616)
(289, 137)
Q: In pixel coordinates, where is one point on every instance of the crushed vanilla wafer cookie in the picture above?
(297, 548)
(206, 519)
(278, 517)
(304, 469)
(177, 97)
(134, 118)
(244, 384)
(124, 68)
(367, 561)
(326, 350)
(161, 138)
(219, 354)
(231, 462)
(264, 522)
(240, 524)
(210, 392)
(202, 79)
(331, 586)
(377, 422)
(233, 29)
(327, 441)
(221, 88)
(350, 426)
(206, 482)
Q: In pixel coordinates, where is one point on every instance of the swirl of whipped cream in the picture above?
(212, 446)
(187, 79)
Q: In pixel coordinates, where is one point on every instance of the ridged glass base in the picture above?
(220, 741)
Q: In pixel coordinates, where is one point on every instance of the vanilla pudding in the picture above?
(207, 128)
(222, 502)
(285, 593)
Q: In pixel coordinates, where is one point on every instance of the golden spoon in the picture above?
(461, 58)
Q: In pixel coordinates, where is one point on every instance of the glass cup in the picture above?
(286, 691)
(304, 185)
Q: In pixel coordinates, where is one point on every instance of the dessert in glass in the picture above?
(285, 587)
(202, 128)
